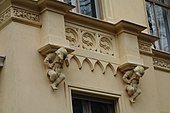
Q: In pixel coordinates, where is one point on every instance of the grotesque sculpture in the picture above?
(132, 79)
(54, 62)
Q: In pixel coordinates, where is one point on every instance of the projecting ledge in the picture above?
(49, 48)
(128, 66)
(2, 59)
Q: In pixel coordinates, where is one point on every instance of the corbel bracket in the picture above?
(55, 57)
(49, 48)
(131, 76)
(128, 66)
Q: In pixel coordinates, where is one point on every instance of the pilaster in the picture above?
(128, 42)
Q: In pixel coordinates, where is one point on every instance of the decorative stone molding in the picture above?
(161, 60)
(5, 15)
(55, 57)
(161, 63)
(20, 15)
(28, 11)
(121, 26)
(145, 47)
(2, 59)
(105, 44)
(145, 42)
(72, 36)
(92, 62)
(25, 14)
(89, 39)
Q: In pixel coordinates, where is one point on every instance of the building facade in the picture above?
(84, 56)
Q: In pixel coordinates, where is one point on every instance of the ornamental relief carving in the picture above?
(144, 46)
(4, 16)
(72, 36)
(89, 40)
(25, 14)
(105, 45)
(19, 14)
(162, 63)
(92, 63)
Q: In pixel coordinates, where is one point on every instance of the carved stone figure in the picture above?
(55, 62)
(132, 79)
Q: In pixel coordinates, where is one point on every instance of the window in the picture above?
(158, 12)
(87, 104)
(87, 7)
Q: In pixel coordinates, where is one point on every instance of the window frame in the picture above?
(155, 3)
(98, 8)
(69, 89)
(93, 98)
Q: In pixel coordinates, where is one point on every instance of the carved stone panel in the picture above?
(161, 63)
(5, 15)
(106, 45)
(20, 15)
(145, 46)
(72, 36)
(88, 41)
(25, 14)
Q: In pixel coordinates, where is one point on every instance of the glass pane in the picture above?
(68, 1)
(164, 1)
(72, 2)
(87, 7)
(164, 30)
(151, 19)
(77, 106)
(97, 107)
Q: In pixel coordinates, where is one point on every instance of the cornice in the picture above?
(54, 5)
(147, 38)
(125, 26)
(161, 54)
(121, 26)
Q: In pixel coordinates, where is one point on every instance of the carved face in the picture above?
(139, 70)
(62, 53)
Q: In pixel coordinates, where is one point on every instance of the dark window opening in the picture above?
(87, 104)
(158, 12)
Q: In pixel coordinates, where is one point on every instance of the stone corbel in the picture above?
(128, 66)
(131, 75)
(55, 57)
(2, 59)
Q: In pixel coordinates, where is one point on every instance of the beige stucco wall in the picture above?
(25, 88)
(131, 10)
(162, 84)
